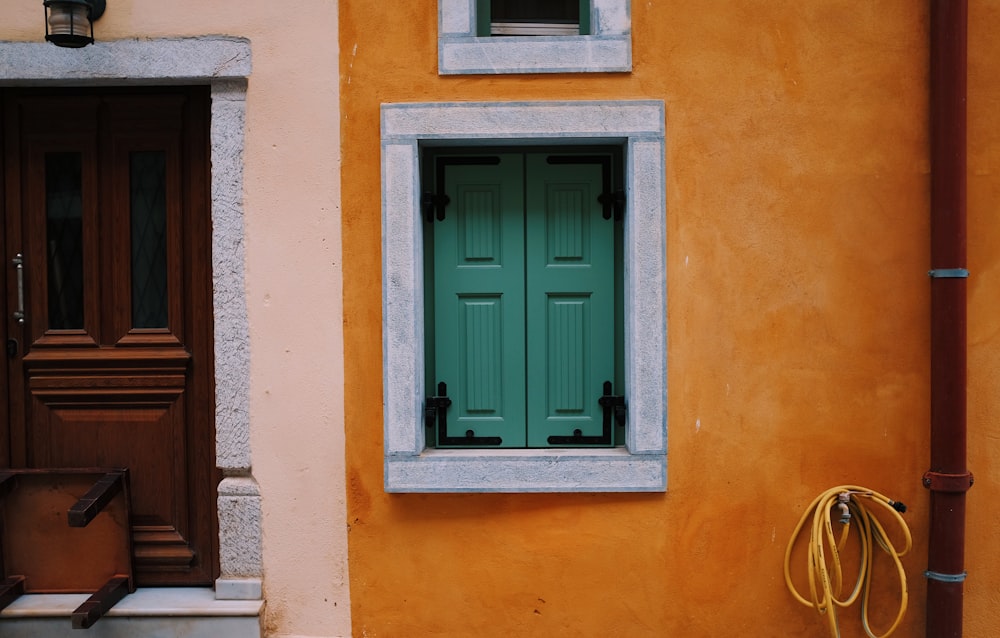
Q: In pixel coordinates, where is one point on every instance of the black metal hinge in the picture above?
(436, 416)
(614, 413)
(433, 204)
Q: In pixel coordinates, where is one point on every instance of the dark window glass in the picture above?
(64, 239)
(148, 176)
(535, 11)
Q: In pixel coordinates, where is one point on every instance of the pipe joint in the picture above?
(945, 578)
(954, 483)
(948, 273)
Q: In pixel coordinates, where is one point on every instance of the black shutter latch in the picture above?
(436, 408)
(436, 416)
(614, 413)
(614, 407)
(613, 201)
(433, 206)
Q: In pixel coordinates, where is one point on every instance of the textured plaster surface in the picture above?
(982, 521)
(232, 334)
(239, 531)
(797, 243)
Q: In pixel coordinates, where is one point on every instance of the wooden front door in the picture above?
(108, 307)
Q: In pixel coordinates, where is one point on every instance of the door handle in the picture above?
(19, 268)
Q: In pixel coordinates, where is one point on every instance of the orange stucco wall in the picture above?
(982, 522)
(798, 313)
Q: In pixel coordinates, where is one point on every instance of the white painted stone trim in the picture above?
(600, 470)
(224, 63)
(144, 602)
(412, 467)
(163, 61)
(191, 612)
(607, 50)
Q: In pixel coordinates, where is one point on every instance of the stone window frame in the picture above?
(608, 49)
(409, 465)
(225, 64)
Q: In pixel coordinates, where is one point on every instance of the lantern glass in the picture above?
(68, 23)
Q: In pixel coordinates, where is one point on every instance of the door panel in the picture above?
(145, 160)
(61, 237)
(109, 208)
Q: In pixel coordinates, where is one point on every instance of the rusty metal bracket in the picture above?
(940, 482)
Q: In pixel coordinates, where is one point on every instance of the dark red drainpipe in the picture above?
(948, 478)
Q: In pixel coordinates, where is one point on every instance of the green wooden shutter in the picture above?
(479, 341)
(570, 300)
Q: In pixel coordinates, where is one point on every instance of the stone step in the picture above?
(182, 612)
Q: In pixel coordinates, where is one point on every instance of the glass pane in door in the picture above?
(148, 174)
(64, 239)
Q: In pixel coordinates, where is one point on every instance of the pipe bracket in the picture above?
(948, 273)
(945, 578)
(940, 482)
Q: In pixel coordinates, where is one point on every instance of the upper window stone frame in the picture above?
(639, 466)
(608, 49)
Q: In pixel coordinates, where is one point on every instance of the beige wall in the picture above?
(293, 281)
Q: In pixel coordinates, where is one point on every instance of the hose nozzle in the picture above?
(845, 512)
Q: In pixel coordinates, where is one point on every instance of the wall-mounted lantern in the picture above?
(70, 23)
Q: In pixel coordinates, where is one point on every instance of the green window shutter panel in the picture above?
(570, 300)
(479, 343)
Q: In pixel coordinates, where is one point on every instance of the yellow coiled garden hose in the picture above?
(853, 506)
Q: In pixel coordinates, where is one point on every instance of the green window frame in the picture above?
(523, 254)
(485, 26)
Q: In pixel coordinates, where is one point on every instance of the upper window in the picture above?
(543, 147)
(533, 17)
(522, 284)
(534, 36)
